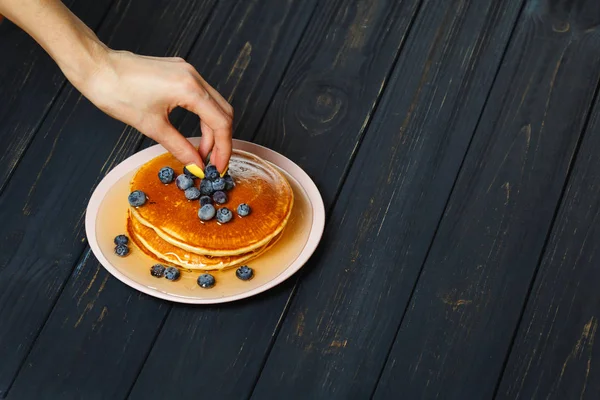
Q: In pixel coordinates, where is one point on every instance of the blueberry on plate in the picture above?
(137, 198)
(224, 215)
(244, 272)
(121, 250)
(204, 200)
(219, 184)
(229, 183)
(243, 210)
(172, 273)
(188, 173)
(121, 239)
(220, 197)
(206, 212)
(184, 182)
(192, 193)
(211, 172)
(158, 270)
(206, 281)
(206, 187)
(166, 175)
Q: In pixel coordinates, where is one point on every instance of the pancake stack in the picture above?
(167, 226)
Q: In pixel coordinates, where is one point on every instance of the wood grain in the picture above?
(460, 321)
(326, 99)
(555, 355)
(342, 322)
(30, 81)
(324, 102)
(257, 22)
(246, 63)
(120, 338)
(382, 121)
(43, 207)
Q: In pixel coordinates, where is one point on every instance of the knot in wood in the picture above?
(319, 106)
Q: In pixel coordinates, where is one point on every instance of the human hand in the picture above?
(141, 91)
(138, 90)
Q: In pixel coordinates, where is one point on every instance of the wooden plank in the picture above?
(29, 82)
(342, 322)
(94, 318)
(121, 340)
(458, 327)
(554, 356)
(43, 207)
(246, 59)
(327, 98)
(317, 118)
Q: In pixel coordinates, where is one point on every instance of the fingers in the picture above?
(208, 140)
(177, 145)
(213, 116)
(216, 115)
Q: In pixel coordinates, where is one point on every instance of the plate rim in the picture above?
(312, 242)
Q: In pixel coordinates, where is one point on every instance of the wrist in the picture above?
(85, 59)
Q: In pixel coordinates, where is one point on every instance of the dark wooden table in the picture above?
(456, 144)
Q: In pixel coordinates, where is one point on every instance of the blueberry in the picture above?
(166, 175)
(184, 182)
(121, 239)
(172, 273)
(243, 210)
(244, 272)
(188, 173)
(122, 250)
(219, 184)
(206, 187)
(206, 212)
(224, 215)
(220, 197)
(137, 198)
(211, 172)
(204, 200)
(192, 193)
(229, 183)
(158, 270)
(206, 281)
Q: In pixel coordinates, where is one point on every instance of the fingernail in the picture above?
(224, 172)
(196, 170)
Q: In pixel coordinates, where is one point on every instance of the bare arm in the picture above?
(138, 90)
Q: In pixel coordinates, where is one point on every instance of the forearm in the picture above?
(140, 91)
(73, 46)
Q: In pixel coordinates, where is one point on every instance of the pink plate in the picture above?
(106, 218)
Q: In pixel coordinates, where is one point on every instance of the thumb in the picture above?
(179, 146)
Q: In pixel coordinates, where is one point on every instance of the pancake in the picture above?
(147, 240)
(175, 220)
